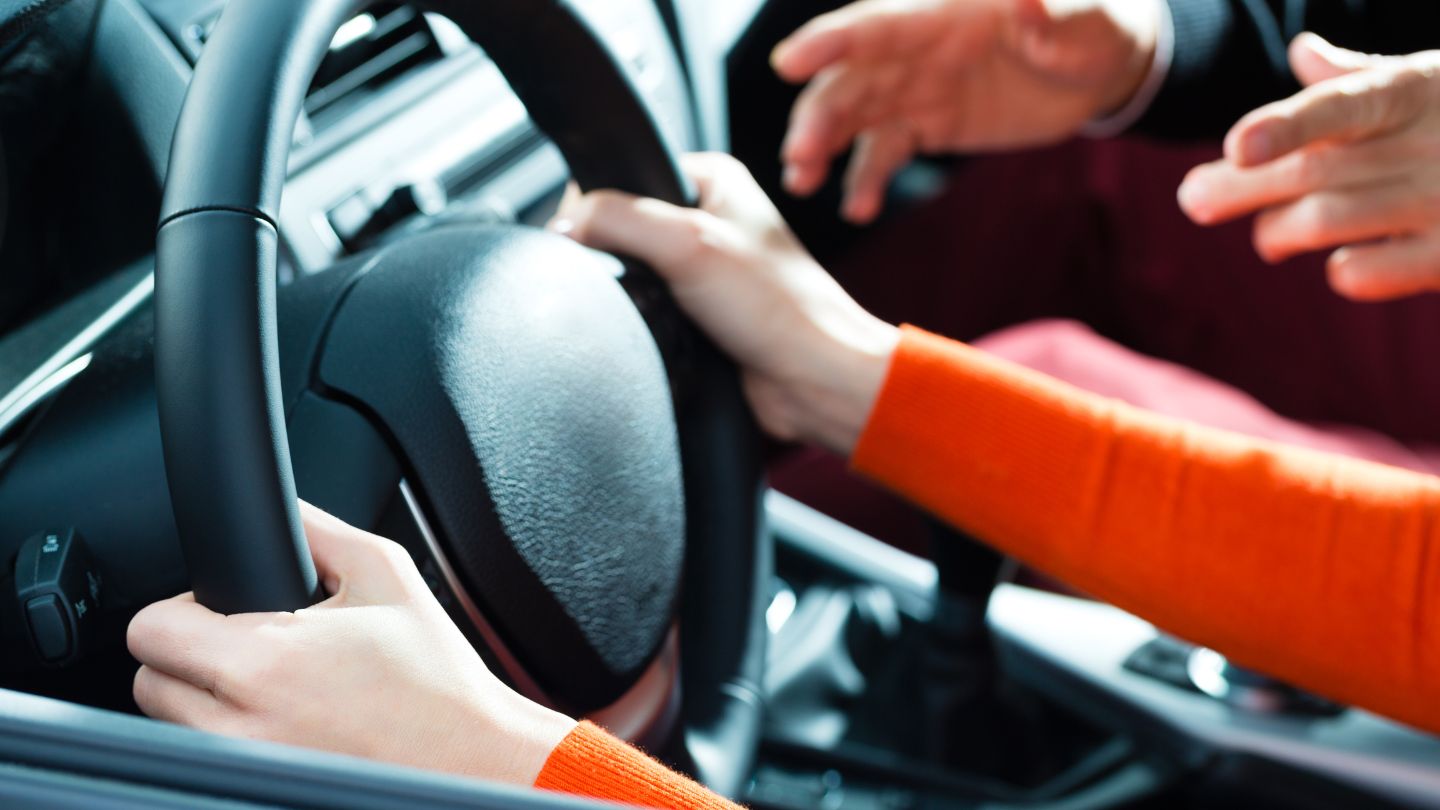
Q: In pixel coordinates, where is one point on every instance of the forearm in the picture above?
(1311, 567)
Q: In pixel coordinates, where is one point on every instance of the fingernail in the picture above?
(777, 53)
(857, 211)
(1192, 196)
(791, 179)
(561, 225)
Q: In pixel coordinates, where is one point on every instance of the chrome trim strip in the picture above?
(524, 684)
(802, 529)
(42, 389)
(645, 711)
(43, 380)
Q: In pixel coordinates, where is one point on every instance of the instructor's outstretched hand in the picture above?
(1348, 165)
(899, 78)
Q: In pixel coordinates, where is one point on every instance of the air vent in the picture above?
(370, 52)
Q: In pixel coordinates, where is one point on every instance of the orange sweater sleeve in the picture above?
(1315, 568)
(591, 763)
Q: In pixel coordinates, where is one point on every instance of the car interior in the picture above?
(296, 249)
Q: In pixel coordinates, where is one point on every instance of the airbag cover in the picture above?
(525, 391)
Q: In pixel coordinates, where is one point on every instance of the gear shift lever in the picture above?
(971, 723)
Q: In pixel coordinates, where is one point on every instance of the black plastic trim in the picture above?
(65, 738)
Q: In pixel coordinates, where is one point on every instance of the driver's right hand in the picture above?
(812, 359)
(897, 78)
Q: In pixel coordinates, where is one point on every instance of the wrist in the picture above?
(837, 392)
(509, 738)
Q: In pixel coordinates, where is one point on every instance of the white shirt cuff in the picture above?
(1126, 117)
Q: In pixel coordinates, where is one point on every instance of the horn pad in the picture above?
(530, 404)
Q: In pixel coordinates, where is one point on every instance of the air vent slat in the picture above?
(377, 49)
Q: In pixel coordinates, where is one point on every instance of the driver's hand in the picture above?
(812, 359)
(378, 670)
(897, 78)
(1348, 165)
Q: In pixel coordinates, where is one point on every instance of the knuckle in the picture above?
(1314, 167)
(137, 632)
(593, 212)
(142, 688)
(1314, 217)
(149, 630)
(392, 555)
(1402, 96)
(237, 725)
(583, 215)
(243, 677)
(1263, 240)
(695, 237)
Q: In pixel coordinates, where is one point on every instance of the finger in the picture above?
(165, 697)
(1391, 269)
(356, 566)
(570, 196)
(1218, 192)
(1347, 108)
(867, 28)
(1333, 218)
(664, 236)
(181, 638)
(1315, 60)
(879, 153)
(825, 119)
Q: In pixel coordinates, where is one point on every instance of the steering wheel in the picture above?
(583, 458)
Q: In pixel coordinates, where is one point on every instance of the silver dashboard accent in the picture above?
(64, 363)
(644, 712)
(524, 684)
(806, 530)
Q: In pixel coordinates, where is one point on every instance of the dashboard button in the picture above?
(357, 220)
(58, 594)
(49, 628)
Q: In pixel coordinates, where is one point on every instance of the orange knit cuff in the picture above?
(589, 762)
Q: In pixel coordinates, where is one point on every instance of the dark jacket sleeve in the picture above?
(1230, 55)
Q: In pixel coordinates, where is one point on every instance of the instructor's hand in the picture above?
(812, 359)
(902, 77)
(1351, 162)
(378, 670)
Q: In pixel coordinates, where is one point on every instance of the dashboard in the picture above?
(409, 125)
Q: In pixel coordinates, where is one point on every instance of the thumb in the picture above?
(1315, 60)
(356, 566)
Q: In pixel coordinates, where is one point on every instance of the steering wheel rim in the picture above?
(217, 356)
(256, 67)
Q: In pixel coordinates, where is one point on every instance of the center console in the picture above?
(1104, 709)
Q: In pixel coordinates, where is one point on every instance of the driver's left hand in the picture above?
(377, 670)
(1349, 164)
